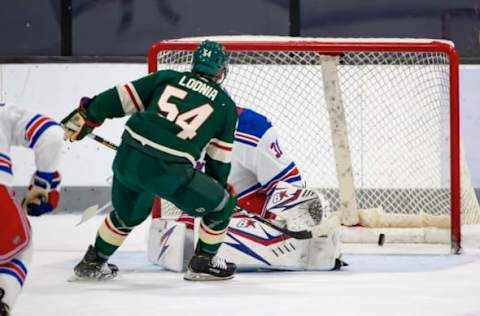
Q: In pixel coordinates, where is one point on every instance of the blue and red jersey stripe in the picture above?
(36, 127)
(5, 164)
(16, 269)
(289, 174)
(251, 127)
(53, 179)
(247, 139)
(251, 190)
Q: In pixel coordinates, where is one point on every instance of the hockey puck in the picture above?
(381, 239)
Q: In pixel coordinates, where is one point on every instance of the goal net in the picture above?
(372, 123)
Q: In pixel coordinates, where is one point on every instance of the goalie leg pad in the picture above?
(253, 245)
(170, 244)
(323, 252)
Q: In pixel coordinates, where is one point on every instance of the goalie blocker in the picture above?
(253, 245)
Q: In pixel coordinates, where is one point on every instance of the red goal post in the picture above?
(280, 54)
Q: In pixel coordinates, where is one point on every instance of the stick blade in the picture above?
(88, 213)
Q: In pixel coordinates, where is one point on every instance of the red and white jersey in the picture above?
(258, 162)
(19, 127)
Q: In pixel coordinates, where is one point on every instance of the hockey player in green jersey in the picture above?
(175, 116)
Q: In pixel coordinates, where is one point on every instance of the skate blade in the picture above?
(194, 276)
(75, 278)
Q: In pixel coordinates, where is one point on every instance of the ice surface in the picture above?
(373, 284)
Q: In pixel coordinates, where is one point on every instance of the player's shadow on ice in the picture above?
(136, 270)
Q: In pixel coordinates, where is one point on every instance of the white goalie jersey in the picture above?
(268, 183)
(259, 163)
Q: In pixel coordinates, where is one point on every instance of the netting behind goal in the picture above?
(401, 110)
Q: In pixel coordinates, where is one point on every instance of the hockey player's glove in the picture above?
(43, 193)
(76, 124)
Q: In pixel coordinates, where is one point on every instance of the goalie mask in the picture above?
(210, 59)
(298, 208)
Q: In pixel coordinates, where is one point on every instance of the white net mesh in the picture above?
(397, 108)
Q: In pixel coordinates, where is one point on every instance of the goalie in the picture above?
(268, 184)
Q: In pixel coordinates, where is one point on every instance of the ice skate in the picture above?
(339, 264)
(206, 267)
(93, 268)
(4, 309)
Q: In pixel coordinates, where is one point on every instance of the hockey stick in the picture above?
(91, 211)
(95, 137)
(103, 141)
(317, 231)
(302, 234)
(320, 230)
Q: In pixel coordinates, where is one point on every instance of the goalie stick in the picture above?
(319, 230)
(302, 234)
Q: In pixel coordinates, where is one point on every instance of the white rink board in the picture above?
(54, 89)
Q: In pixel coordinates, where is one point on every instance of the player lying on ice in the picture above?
(175, 115)
(269, 184)
(45, 137)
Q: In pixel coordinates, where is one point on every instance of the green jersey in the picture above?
(174, 113)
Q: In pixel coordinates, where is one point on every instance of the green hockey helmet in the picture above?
(209, 58)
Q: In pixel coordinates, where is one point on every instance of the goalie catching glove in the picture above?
(297, 208)
(76, 124)
(43, 194)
